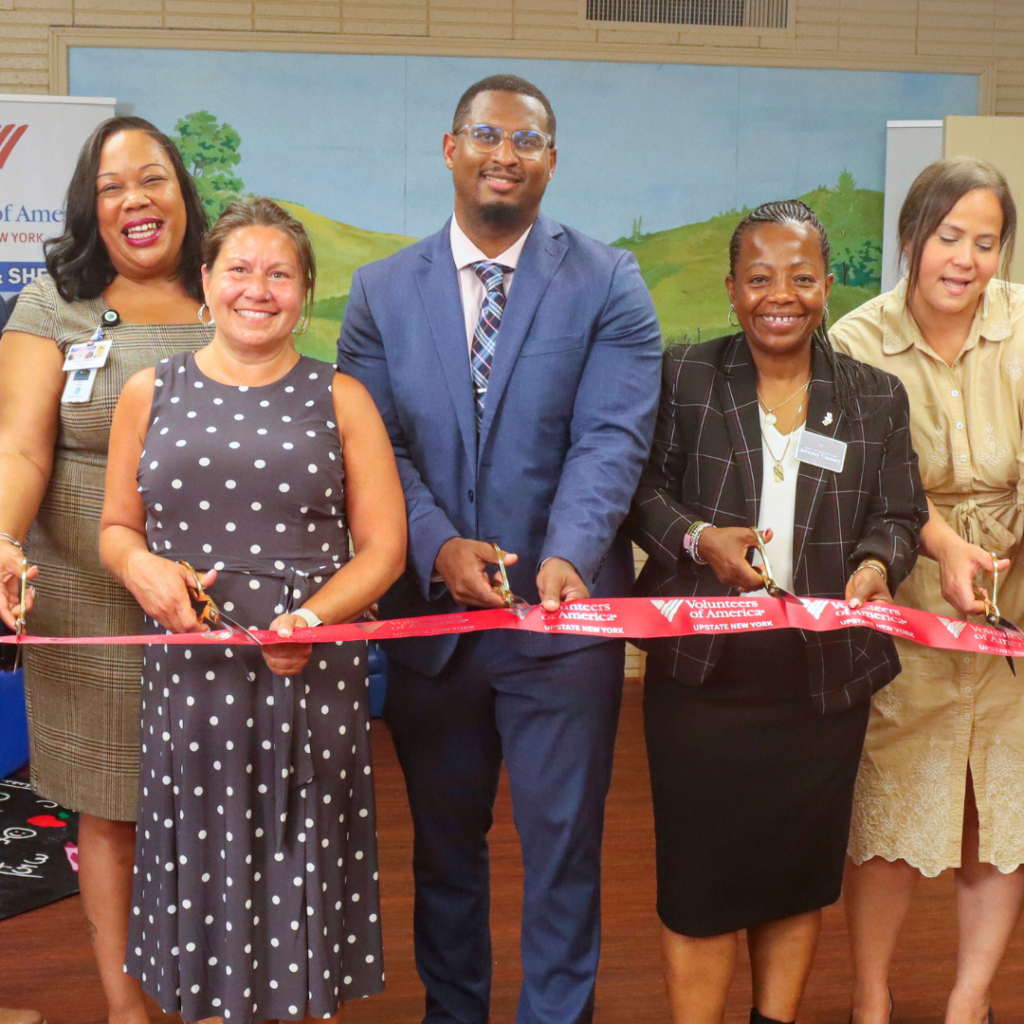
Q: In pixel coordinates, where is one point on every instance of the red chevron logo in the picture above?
(9, 136)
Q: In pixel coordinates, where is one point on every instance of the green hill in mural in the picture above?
(685, 267)
(340, 250)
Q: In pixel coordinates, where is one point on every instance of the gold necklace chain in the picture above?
(780, 474)
(769, 413)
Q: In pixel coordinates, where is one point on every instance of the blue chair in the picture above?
(377, 662)
(13, 723)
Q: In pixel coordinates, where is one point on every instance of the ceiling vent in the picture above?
(720, 13)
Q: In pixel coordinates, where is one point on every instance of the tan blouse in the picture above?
(948, 710)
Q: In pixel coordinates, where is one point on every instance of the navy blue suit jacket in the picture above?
(569, 418)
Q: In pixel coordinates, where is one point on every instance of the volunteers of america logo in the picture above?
(10, 135)
(955, 626)
(667, 608)
(814, 606)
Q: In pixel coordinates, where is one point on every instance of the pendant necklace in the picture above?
(778, 471)
(769, 414)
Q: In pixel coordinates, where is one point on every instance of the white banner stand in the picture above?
(40, 138)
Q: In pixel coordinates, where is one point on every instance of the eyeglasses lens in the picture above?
(488, 138)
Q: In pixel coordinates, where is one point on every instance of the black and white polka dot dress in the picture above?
(255, 892)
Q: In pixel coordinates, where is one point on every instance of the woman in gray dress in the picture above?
(125, 271)
(255, 893)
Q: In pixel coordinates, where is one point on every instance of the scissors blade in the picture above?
(1010, 629)
(239, 628)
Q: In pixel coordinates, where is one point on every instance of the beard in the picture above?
(501, 215)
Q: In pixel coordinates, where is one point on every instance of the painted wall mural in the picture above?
(659, 159)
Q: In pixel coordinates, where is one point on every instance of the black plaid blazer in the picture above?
(706, 464)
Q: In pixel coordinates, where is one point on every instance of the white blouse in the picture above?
(778, 501)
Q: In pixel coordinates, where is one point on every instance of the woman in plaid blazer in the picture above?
(754, 739)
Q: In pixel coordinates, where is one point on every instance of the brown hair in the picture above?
(936, 190)
(260, 212)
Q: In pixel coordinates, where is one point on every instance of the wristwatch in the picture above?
(311, 617)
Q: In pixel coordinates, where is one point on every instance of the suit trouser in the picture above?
(553, 720)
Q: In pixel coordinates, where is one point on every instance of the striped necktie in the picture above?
(485, 336)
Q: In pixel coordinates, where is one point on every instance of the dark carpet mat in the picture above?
(38, 850)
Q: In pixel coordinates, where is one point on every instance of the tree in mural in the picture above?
(856, 261)
(210, 151)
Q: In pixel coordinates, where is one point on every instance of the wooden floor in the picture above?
(45, 960)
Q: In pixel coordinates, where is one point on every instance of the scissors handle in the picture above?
(205, 607)
(505, 590)
(992, 613)
(20, 621)
(764, 570)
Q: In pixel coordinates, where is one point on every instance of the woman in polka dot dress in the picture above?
(255, 893)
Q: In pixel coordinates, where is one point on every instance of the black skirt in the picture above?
(752, 787)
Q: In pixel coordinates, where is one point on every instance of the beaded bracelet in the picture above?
(7, 537)
(692, 538)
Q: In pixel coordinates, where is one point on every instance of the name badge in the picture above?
(87, 355)
(78, 387)
(821, 451)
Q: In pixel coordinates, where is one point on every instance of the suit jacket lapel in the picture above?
(737, 393)
(438, 284)
(823, 417)
(540, 258)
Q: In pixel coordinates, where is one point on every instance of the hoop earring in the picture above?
(199, 316)
(732, 309)
(304, 322)
(824, 317)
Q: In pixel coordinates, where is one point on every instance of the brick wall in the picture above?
(903, 34)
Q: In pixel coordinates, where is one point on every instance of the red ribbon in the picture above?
(629, 618)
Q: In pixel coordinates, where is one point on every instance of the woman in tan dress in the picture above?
(941, 781)
(127, 272)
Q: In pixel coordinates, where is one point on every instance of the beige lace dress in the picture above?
(948, 711)
(83, 702)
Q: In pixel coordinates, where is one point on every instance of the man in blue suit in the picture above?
(516, 363)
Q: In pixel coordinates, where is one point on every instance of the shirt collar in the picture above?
(465, 252)
(900, 330)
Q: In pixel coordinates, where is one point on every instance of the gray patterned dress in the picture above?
(255, 891)
(83, 702)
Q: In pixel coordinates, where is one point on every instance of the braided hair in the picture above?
(850, 376)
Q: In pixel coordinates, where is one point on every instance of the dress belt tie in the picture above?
(975, 520)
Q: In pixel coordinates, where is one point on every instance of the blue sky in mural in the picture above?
(358, 137)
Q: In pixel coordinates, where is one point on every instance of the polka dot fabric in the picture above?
(255, 892)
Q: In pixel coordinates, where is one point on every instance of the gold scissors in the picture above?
(510, 599)
(992, 614)
(19, 622)
(765, 569)
(206, 608)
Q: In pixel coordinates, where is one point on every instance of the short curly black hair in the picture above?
(503, 83)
